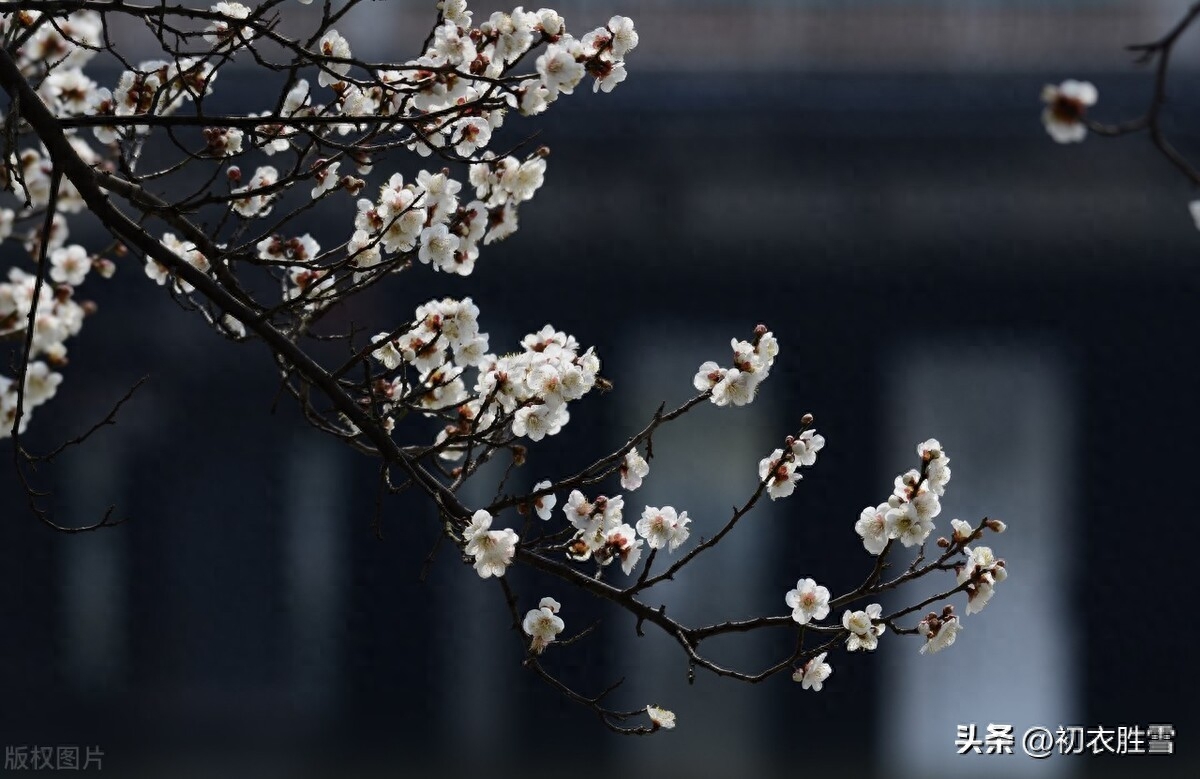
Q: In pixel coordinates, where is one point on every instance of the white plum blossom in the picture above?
(542, 625)
(872, 526)
(751, 364)
(326, 178)
(663, 527)
(708, 376)
(735, 388)
(779, 473)
(256, 201)
(939, 632)
(222, 33)
(624, 37)
(662, 718)
(805, 447)
(559, 70)
(812, 675)
(908, 524)
(41, 383)
(633, 469)
(333, 45)
(1066, 109)
(438, 246)
(808, 601)
(608, 75)
(493, 550)
(581, 513)
(544, 504)
(980, 574)
(962, 530)
(622, 542)
(864, 631)
(70, 265)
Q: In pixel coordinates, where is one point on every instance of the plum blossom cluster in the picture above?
(907, 515)
(527, 392)
(602, 535)
(780, 469)
(737, 384)
(448, 101)
(59, 317)
(442, 340)
(939, 630)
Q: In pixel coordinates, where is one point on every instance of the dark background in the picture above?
(870, 218)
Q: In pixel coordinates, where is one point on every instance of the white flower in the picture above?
(981, 573)
(806, 446)
(493, 550)
(872, 526)
(579, 511)
(814, 673)
(622, 542)
(962, 530)
(929, 449)
(864, 633)
(663, 527)
(1066, 108)
(559, 70)
(333, 45)
(937, 475)
(41, 384)
(438, 246)
(735, 387)
(709, 375)
(70, 265)
(633, 469)
(326, 179)
(926, 504)
(906, 524)
(481, 522)
(387, 354)
(542, 625)
(779, 474)
(523, 180)
(533, 422)
(473, 133)
(939, 633)
(624, 37)
(661, 717)
(544, 504)
(221, 32)
(808, 601)
(608, 75)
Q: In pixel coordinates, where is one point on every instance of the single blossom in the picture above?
(812, 675)
(662, 718)
(808, 601)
